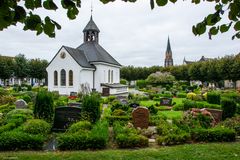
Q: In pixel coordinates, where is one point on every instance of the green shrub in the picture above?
(119, 112)
(232, 95)
(233, 123)
(156, 99)
(80, 126)
(111, 98)
(153, 110)
(96, 139)
(43, 108)
(7, 100)
(213, 97)
(37, 126)
(18, 116)
(156, 119)
(191, 96)
(178, 107)
(91, 106)
(217, 134)
(181, 95)
(141, 83)
(20, 141)
(172, 139)
(123, 81)
(112, 119)
(27, 98)
(228, 107)
(7, 127)
(188, 104)
(116, 104)
(203, 104)
(4, 109)
(131, 141)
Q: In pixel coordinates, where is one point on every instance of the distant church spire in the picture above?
(168, 55)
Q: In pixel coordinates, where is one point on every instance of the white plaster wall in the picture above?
(86, 76)
(68, 63)
(101, 75)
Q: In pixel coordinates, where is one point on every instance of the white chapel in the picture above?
(88, 65)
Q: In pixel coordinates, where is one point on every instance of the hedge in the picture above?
(14, 140)
(172, 139)
(131, 141)
(213, 97)
(229, 108)
(217, 134)
(112, 119)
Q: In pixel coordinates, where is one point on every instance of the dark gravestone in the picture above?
(140, 116)
(133, 105)
(216, 113)
(74, 104)
(73, 94)
(20, 104)
(166, 101)
(65, 116)
(123, 101)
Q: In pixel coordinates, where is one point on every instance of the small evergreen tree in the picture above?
(43, 108)
(91, 107)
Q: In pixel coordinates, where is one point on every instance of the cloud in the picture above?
(131, 32)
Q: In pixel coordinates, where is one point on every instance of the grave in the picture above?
(21, 104)
(133, 105)
(65, 116)
(216, 113)
(166, 101)
(140, 116)
(74, 104)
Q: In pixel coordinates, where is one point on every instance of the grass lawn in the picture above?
(172, 114)
(219, 151)
(151, 102)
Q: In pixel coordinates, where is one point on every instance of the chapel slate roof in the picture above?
(96, 53)
(79, 57)
(91, 26)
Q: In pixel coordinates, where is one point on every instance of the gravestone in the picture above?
(73, 94)
(166, 101)
(133, 105)
(65, 116)
(74, 104)
(140, 116)
(216, 113)
(20, 104)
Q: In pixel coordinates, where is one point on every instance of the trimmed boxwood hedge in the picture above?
(14, 140)
(131, 141)
(217, 134)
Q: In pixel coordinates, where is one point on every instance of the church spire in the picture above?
(168, 55)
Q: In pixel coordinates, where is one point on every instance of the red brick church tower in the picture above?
(168, 55)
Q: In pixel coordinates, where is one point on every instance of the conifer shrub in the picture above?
(229, 108)
(43, 108)
(191, 96)
(37, 126)
(213, 97)
(80, 126)
(91, 107)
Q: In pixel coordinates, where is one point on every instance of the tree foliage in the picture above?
(13, 12)
(6, 67)
(20, 66)
(160, 78)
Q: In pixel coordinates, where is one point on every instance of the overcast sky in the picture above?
(131, 32)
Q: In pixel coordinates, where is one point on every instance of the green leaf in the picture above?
(56, 24)
(201, 28)
(173, 1)
(214, 30)
(49, 5)
(68, 3)
(194, 30)
(237, 26)
(72, 12)
(196, 1)
(48, 27)
(225, 1)
(105, 1)
(32, 21)
(224, 28)
(38, 3)
(29, 4)
(161, 2)
(20, 14)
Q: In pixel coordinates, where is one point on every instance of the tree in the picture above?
(37, 68)
(20, 11)
(160, 78)
(6, 68)
(21, 66)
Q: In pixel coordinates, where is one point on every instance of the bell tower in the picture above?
(91, 32)
(168, 55)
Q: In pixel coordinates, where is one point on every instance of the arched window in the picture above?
(63, 77)
(55, 77)
(109, 72)
(70, 78)
(112, 76)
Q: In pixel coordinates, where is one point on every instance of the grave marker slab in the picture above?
(65, 116)
(20, 104)
(166, 101)
(140, 117)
